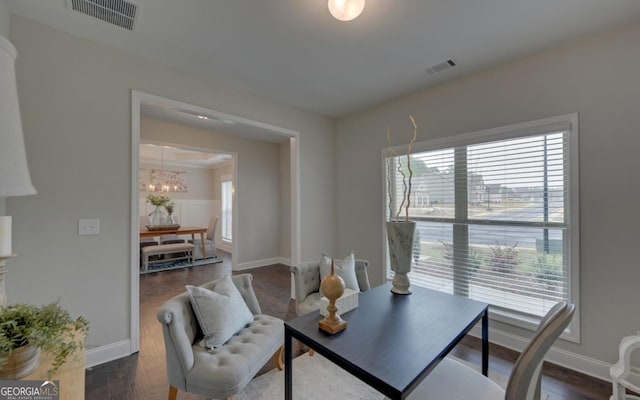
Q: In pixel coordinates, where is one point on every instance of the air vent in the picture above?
(116, 12)
(441, 67)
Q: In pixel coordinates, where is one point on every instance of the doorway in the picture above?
(233, 125)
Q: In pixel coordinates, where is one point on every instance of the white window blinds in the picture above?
(492, 218)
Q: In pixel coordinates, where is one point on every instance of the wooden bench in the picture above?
(163, 249)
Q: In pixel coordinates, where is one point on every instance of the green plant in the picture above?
(474, 259)
(503, 259)
(170, 206)
(548, 272)
(49, 328)
(158, 200)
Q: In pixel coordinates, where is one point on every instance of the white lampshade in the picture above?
(14, 171)
(346, 10)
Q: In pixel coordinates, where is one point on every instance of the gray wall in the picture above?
(75, 97)
(5, 18)
(285, 200)
(258, 183)
(4, 31)
(598, 78)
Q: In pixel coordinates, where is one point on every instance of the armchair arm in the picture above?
(362, 275)
(306, 278)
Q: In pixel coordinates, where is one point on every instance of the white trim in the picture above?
(262, 263)
(134, 298)
(137, 97)
(296, 218)
(225, 246)
(109, 352)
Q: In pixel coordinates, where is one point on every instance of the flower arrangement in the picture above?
(158, 200)
(406, 181)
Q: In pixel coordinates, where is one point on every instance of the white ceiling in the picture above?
(293, 51)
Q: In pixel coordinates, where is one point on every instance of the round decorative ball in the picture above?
(332, 286)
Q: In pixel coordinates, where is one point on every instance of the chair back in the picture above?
(524, 382)
(211, 229)
(180, 328)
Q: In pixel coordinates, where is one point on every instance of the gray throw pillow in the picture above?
(221, 312)
(346, 269)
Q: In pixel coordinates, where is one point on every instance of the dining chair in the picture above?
(453, 380)
(209, 242)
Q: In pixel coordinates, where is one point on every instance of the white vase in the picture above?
(157, 217)
(400, 239)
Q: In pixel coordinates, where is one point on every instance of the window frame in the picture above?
(226, 179)
(568, 123)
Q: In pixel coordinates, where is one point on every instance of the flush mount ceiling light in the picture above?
(346, 10)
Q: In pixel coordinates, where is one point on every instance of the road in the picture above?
(490, 235)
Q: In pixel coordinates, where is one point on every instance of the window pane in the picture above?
(432, 185)
(226, 230)
(509, 267)
(518, 179)
(431, 258)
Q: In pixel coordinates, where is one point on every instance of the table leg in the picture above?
(485, 343)
(288, 366)
(204, 247)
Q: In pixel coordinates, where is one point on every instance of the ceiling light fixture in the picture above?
(202, 117)
(346, 10)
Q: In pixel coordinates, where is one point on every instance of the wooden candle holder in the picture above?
(332, 287)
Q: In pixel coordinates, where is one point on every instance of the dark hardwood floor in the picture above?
(142, 376)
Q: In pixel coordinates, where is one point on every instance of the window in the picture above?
(227, 204)
(496, 215)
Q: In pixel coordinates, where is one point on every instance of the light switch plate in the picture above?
(88, 227)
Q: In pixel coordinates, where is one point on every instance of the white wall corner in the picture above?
(109, 352)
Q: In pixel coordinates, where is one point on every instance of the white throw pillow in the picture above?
(221, 312)
(346, 269)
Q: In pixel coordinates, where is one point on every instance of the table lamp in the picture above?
(14, 171)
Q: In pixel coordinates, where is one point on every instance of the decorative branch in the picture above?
(413, 139)
(406, 193)
(388, 164)
(404, 190)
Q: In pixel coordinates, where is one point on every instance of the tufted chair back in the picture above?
(306, 278)
(181, 329)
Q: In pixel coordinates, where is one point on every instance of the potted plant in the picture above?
(400, 233)
(170, 207)
(27, 329)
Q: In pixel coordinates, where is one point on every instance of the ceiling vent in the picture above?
(116, 12)
(441, 67)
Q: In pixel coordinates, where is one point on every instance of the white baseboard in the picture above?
(109, 352)
(262, 263)
(224, 247)
(564, 358)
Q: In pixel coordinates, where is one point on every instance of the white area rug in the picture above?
(316, 378)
